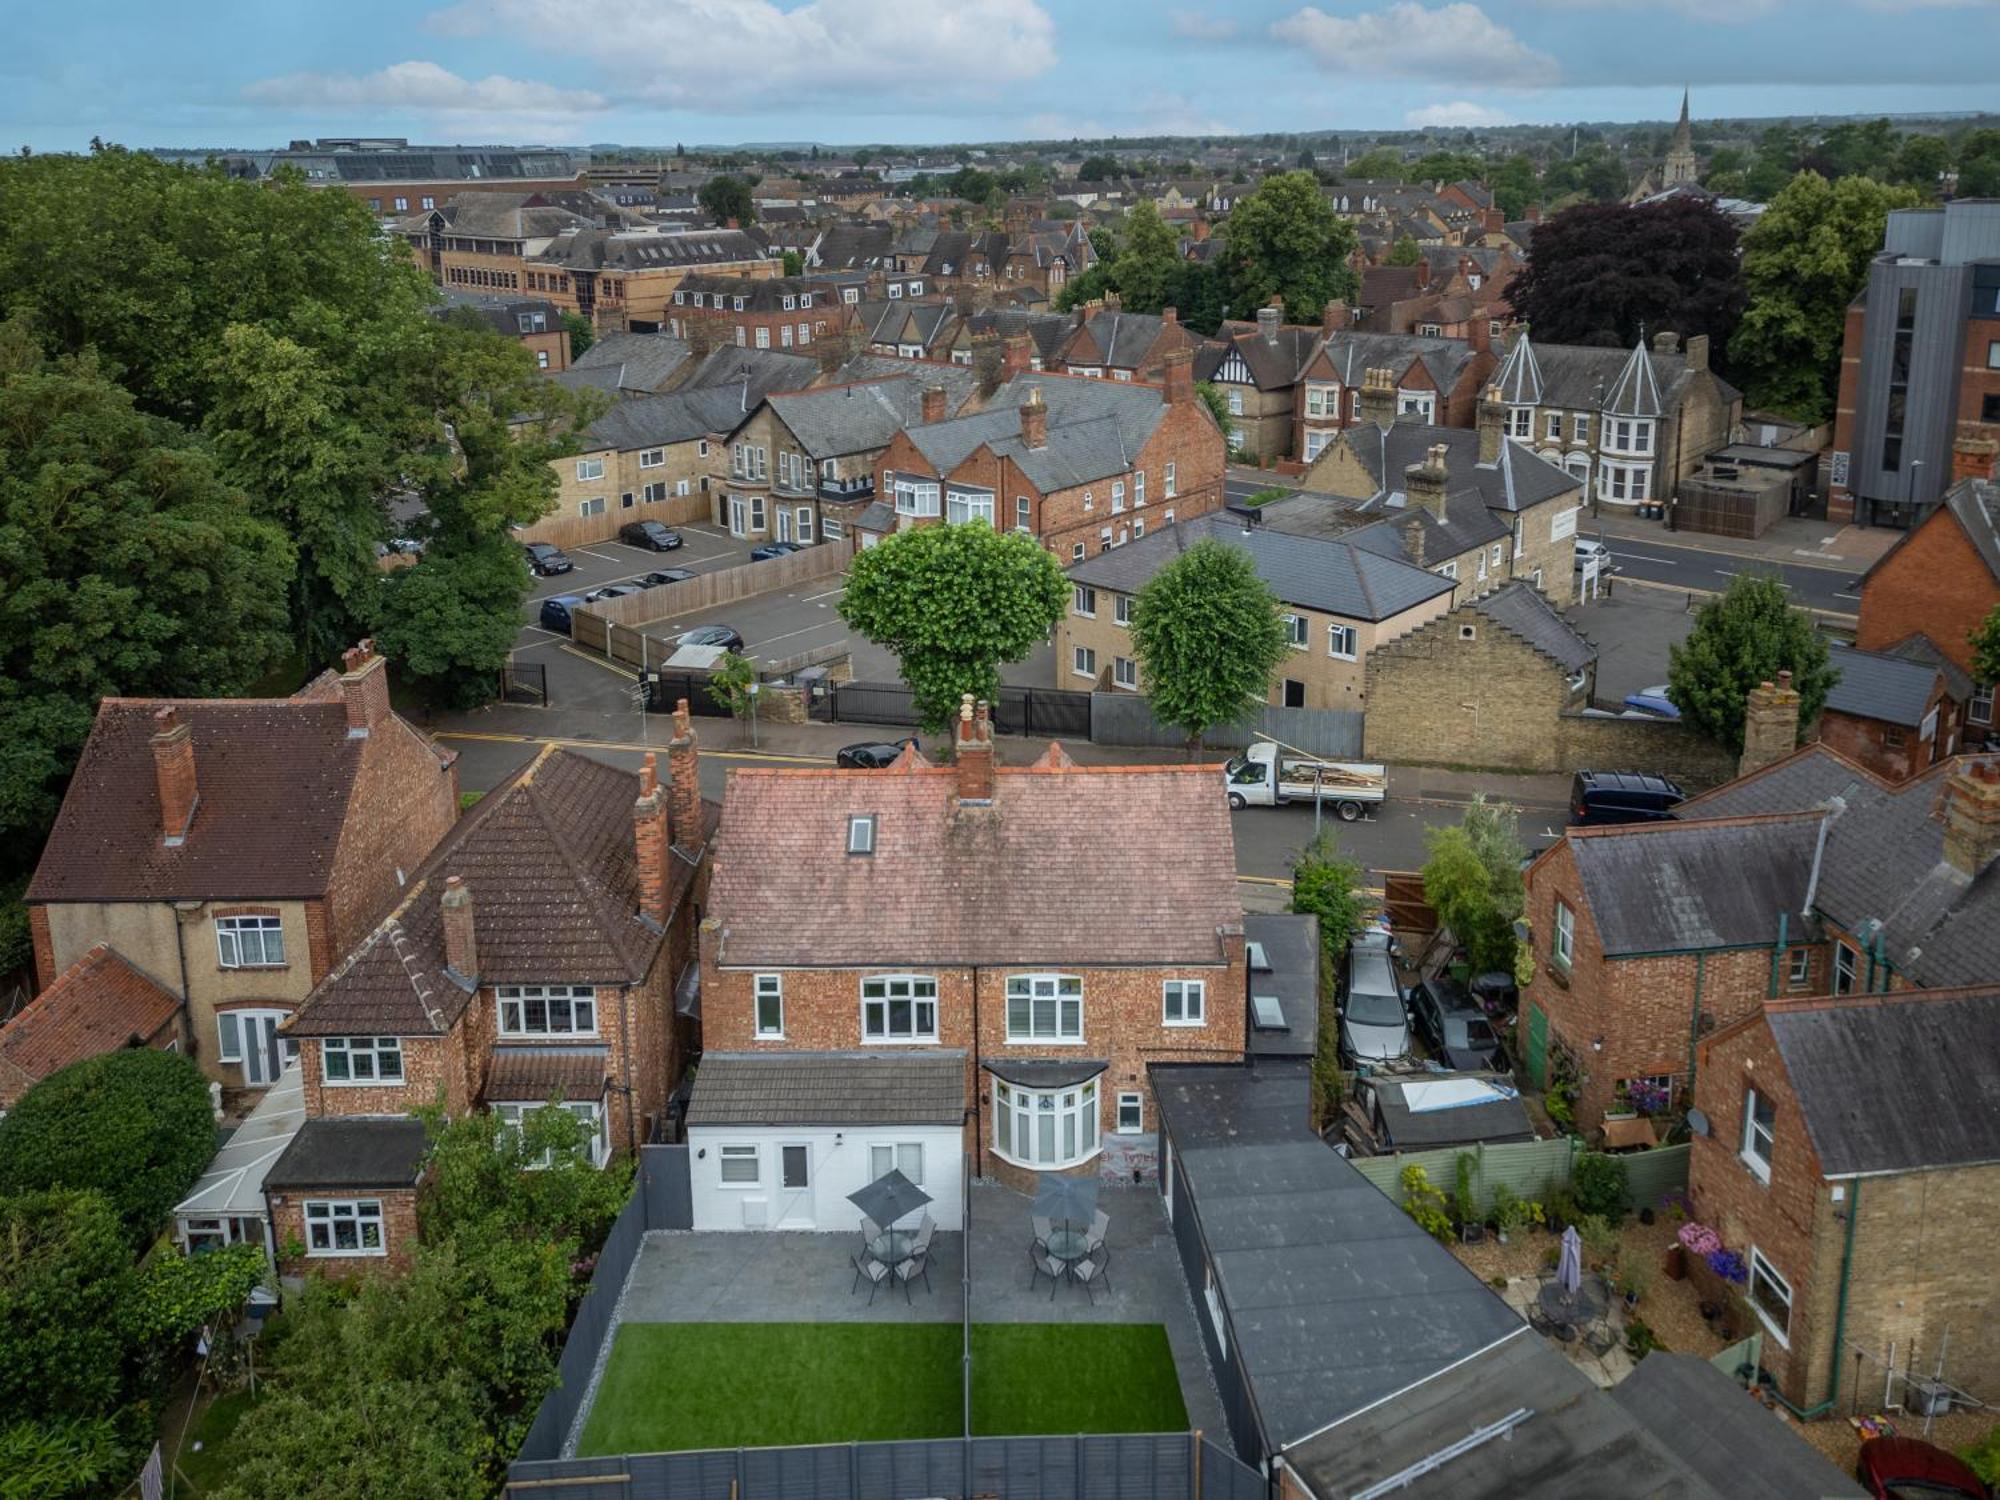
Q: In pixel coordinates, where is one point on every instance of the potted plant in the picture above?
(1635, 1277)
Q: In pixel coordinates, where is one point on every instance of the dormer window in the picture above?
(861, 833)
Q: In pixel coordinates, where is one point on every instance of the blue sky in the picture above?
(259, 72)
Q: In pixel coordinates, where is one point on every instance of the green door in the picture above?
(1538, 1046)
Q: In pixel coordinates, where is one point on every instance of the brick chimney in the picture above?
(1198, 230)
(1697, 351)
(1016, 355)
(1170, 317)
(933, 409)
(1413, 539)
(364, 683)
(684, 780)
(1423, 270)
(1492, 422)
(1972, 454)
(1035, 421)
(1424, 483)
(972, 752)
(1268, 319)
(1334, 317)
(1492, 220)
(1179, 371)
(173, 768)
(1666, 341)
(650, 843)
(1972, 816)
(461, 944)
(1376, 399)
(1770, 724)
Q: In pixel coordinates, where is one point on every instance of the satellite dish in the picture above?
(1697, 1122)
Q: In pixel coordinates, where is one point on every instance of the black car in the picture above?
(1597, 797)
(546, 559)
(650, 535)
(664, 575)
(873, 755)
(772, 549)
(1455, 1028)
(556, 612)
(712, 635)
(611, 591)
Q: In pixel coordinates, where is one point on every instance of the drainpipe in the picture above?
(1694, 1021)
(1778, 953)
(1809, 1413)
(1882, 958)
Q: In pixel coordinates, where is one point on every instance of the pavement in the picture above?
(1820, 562)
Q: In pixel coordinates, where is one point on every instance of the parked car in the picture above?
(772, 549)
(1907, 1468)
(649, 534)
(1374, 1027)
(664, 575)
(1597, 797)
(1653, 700)
(546, 559)
(712, 635)
(1589, 551)
(555, 612)
(611, 591)
(873, 755)
(1455, 1028)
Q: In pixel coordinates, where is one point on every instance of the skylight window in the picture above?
(1258, 961)
(861, 834)
(1266, 1013)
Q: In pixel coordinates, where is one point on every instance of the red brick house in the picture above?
(534, 956)
(98, 1004)
(1851, 1156)
(1891, 713)
(785, 312)
(231, 849)
(1109, 343)
(1008, 1012)
(1080, 465)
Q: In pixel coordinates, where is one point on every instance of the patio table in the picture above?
(893, 1245)
(1067, 1245)
(1566, 1309)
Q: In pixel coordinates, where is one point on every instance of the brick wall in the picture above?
(567, 526)
(403, 802)
(435, 1071)
(1936, 582)
(1892, 751)
(1434, 696)
(399, 1232)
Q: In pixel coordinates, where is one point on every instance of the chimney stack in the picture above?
(1972, 454)
(933, 408)
(1972, 816)
(1034, 421)
(1666, 341)
(1492, 424)
(461, 944)
(1179, 370)
(1770, 724)
(1170, 317)
(364, 683)
(684, 780)
(1114, 302)
(1424, 483)
(1423, 270)
(1199, 230)
(1479, 330)
(1377, 398)
(1413, 539)
(1268, 319)
(972, 753)
(650, 843)
(1333, 317)
(1015, 355)
(1697, 351)
(173, 769)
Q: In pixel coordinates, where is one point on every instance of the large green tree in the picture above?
(1284, 240)
(1803, 263)
(953, 602)
(1740, 639)
(725, 198)
(1472, 880)
(1207, 634)
(1604, 273)
(1985, 642)
(65, 1271)
(1514, 185)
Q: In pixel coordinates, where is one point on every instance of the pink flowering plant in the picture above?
(1699, 1239)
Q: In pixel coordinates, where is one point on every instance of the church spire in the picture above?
(1680, 165)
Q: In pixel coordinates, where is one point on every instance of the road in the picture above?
(1836, 590)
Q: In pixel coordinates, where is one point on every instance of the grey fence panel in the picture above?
(897, 1470)
(1137, 1468)
(1127, 719)
(669, 1189)
(1223, 1477)
(1529, 1168)
(824, 1473)
(1651, 1175)
(1332, 732)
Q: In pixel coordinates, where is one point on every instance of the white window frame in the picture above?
(353, 1050)
(1184, 1002)
(1343, 642)
(1562, 942)
(265, 933)
(1979, 708)
(962, 506)
(1756, 1134)
(1138, 489)
(916, 991)
(589, 468)
(1172, 481)
(1125, 673)
(1553, 426)
(1521, 423)
(1070, 1111)
(1136, 1102)
(1083, 601)
(906, 1157)
(916, 497)
(1799, 968)
(1298, 631)
(515, 999)
(1580, 427)
(1117, 496)
(1762, 1270)
(861, 834)
(1846, 968)
(1083, 661)
(322, 1218)
(1121, 610)
(769, 987)
(652, 458)
(1063, 993)
(591, 507)
(590, 1111)
(738, 1151)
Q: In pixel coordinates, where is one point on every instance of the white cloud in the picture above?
(427, 88)
(1694, 10)
(1197, 27)
(1459, 114)
(739, 55)
(1449, 44)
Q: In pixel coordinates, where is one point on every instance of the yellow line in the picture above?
(598, 661)
(572, 744)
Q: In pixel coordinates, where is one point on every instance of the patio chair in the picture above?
(1100, 1223)
(867, 1268)
(1043, 1229)
(870, 1230)
(1044, 1264)
(1088, 1272)
(909, 1270)
(926, 1227)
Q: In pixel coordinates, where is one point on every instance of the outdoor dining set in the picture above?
(1069, 1236)
(890, 1256)
(1573, 1305)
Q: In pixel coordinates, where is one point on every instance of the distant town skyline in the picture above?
(920, 71)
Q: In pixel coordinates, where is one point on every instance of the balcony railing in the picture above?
(862, 488)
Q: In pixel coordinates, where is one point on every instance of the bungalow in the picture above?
(1894, 715)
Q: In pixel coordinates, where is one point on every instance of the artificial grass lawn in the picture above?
(675, 1386)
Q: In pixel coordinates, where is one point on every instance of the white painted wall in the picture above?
(838, 1165)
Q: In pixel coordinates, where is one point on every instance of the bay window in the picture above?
(916, 498)
(1045, 1008)
(970, 505)
(1045, 1128)
(899, 1008)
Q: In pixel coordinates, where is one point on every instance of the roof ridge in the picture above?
(1880, 999)
(1734, 820)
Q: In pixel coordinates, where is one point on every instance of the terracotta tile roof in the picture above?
(523, 1073)
(1096, 865)
(98, 1004)
(549, 858)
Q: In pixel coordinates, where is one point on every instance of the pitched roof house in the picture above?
(1893, 713)
(99, 1004)
(1941, 578)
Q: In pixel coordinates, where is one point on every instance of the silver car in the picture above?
(1374, 1025)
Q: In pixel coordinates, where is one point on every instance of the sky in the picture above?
(658, 72)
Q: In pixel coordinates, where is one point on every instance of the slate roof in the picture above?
(1467, 524)
(1117, 340)
(1526, 612)
(644, 361)
(549, 859)
(1274, 363)
(1873, 686)
(273, 779)
(1352, 353)
(785, 892)
(752, 374)
(1095, 429)
(351, 1152)
(828, 1088)
(1046, 329)
(1668, 887)
(653, 421)
(1897, 1082)
(1517, 480)
(520, 1074)
(1337, 576)
(863, 416)
(1635, 383)
(901, 321)
(597, 249)
(1919, 647)
(1974, 506)
(501, 313)
(1745, 1451)
(858, 247)
(98, 1004)
(1290, 944)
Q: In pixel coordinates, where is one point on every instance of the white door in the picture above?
(264, 1056)
(795, 1193)
(784, 524)
(739, 524)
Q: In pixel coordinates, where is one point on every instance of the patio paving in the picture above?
(758, 1277)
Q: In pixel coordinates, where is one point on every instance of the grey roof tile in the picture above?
(1872, 686)
(1526, 612)
(828, 1088)
(1675, 887)
(344, 1153)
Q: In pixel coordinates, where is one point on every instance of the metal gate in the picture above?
(665, 689)
(1021, 710)
(525, 682)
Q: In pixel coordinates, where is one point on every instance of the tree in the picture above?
(1606, 273)
(1149, 259)
(1097, 169)
(1207, 635)
(65, 1268)
(581, 334)
(1985, 643)
(794, 263)
(1447, 166)
(1803, 263)
(725, 198)
(1514, 185)
(446, 621)
(134, 1125)
(1327, 884)
(1285, 240)
(1404, 252)
(953, 602)
(1979, 164)
(70, 1458)
(1472, 880)
(1383, 164)
(1921, 163)
(1218, 408)
(1740, 639)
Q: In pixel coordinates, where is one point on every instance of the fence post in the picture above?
(1479, 1171)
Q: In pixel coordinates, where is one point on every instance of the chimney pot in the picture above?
(364, 685)
(461, 943)
(650, 842)
(684, 780)
(972, 753)
(173, 773)
(1666, 341)
(1268, 319)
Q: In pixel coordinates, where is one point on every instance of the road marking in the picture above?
(495, 738)
(600, 556)
(830, 593)
(597, 661)
(554, 640)
(804, 630)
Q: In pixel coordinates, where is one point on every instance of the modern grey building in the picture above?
(1920, 366)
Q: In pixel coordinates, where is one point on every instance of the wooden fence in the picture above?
(707, 590)
(581, 531)
(1529, 1169)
